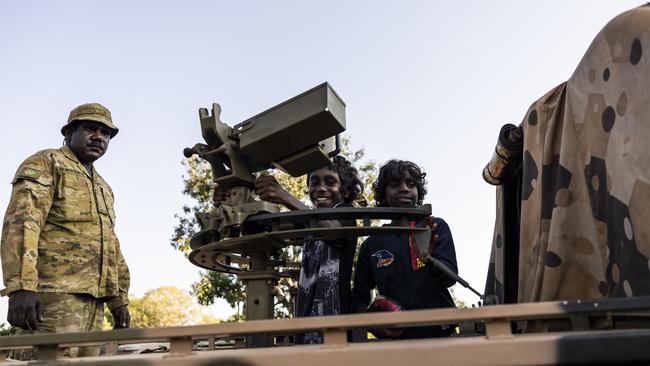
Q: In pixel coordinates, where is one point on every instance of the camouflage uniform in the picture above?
(585, 218)
(58, 237)
(63, 313)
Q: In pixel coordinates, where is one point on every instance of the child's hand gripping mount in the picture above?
(422, 241)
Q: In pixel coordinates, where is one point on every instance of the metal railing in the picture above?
(497, 321)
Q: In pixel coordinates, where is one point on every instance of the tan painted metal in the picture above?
(498, 328)
(289, 326)
(499, 346)
(531, 349)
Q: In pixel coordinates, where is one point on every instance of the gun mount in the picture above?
(244, 235)
(297, 136)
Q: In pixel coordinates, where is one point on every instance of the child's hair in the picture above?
(351, 185)
(396, 170)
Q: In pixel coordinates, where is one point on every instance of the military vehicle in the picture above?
(542, 305)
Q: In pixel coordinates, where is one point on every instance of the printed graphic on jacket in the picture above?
(384, 258)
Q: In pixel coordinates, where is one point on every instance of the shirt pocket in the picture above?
(73, 198)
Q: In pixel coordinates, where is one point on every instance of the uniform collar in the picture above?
(67, 152)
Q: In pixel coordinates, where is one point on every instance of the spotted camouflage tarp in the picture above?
(585, 188)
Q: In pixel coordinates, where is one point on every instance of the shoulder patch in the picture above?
(384, 257)
(29, 172)
(35, 168)
(32, 173)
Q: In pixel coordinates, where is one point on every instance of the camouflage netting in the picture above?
(585, 188)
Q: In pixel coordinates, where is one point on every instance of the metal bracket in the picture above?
(337, 336)
(180, 346)
(498, 328)
(48, 352)
(111, 348)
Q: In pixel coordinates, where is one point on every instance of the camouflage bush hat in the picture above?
(91, 112)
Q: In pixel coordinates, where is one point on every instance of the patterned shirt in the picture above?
(324, 284)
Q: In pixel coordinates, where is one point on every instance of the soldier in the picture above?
(61, 260)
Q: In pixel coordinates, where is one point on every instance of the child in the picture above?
(388, 263)
(326, 268)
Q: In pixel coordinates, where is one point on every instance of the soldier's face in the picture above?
(325, 188)
(402, 192)
(89, 140)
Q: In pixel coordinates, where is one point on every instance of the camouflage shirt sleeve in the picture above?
(29, 205)
(124, 282)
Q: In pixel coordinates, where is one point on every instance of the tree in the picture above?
(197, 185)
(165, 306)
(4, 329)
(197, 182)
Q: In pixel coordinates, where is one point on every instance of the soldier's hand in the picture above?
(269, 190)
(121, 317)
(433, 226)
(25, 309)
(219, 195)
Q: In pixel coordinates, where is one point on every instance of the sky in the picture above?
(427, 81)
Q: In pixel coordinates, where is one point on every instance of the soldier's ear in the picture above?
(67, 135)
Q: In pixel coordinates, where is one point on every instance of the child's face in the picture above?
(402, 192)
(325, 188)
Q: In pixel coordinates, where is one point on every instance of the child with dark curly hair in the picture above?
(326, 268)
(388, 263)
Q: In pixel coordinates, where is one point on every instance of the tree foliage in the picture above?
(197, 185)
(4, 329)
(165, 306)
(197, 182)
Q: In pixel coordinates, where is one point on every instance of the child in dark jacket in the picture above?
(388, 263)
